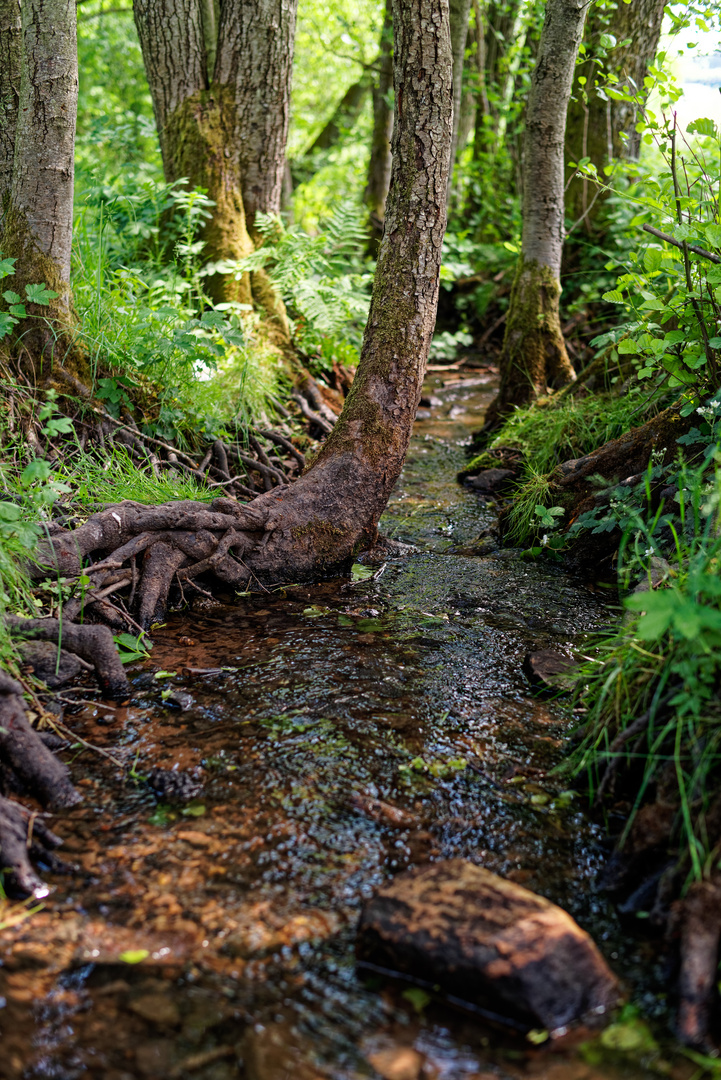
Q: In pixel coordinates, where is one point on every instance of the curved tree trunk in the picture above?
(379, 165)
(332, 511)
(605, 129)
(10, 68)
(38, 208)
(219, 78)
(534, 355)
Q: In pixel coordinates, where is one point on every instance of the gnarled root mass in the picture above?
(30, 768)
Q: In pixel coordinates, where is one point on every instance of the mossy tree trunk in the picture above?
(219, 77)
(332, 511)
(534, 355)
(605, 129)
(379, 164)
(10, 68)
(39, 132)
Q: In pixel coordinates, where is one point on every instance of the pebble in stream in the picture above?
(348, 731)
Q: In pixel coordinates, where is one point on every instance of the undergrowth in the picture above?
(552, 431)
(651, 689)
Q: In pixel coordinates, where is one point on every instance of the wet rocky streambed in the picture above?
(304, 745)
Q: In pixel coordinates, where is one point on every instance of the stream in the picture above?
(225, 847)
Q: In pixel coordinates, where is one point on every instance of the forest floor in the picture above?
(278, 758)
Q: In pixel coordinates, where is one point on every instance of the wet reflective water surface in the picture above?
(281, 757)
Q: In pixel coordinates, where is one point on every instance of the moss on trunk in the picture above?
(534, 355)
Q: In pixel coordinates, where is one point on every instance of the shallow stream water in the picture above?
(212, 936)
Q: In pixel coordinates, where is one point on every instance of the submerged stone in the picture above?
(487, 941)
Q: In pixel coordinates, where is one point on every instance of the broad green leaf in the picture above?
(627, 348)
(7, 267)
(37, 469)
(702, 126)
(38, 294)
(10, 512)
(652, 260)
(713, 234)
(12, 297)
(613, 297)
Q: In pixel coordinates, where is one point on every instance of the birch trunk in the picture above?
(10, 66)
(534, 355)
(38, 221)
(604, 130)
(379, 165)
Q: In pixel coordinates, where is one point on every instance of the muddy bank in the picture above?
(344, 731)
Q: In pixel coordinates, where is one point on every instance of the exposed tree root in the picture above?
(93, 644)
(24, 836)
(28, 766)
(32, 765)
(700, 935)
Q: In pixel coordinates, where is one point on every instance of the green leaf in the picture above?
(7, 267)
(702, 126)
(627, 348)
(713, 234)
(38, 294)
(164, 674)
(12, 297)
(134, 956)
(652, 260)
(37, 469)
(193, 809)
(607, 41)
(10, 512)
(417, 998)
(613, 297)
(359, 572)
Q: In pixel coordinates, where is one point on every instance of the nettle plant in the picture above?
(16, 310)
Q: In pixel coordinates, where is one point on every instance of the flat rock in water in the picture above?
(487, 941)
(490, 480)
(549, 669)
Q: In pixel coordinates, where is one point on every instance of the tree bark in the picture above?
(255, 57)
(222, 106)
(604, 130)
(534, 354)
(459, 14)
(379, 165)
(10, 67)
(331, 513)
(37, 224)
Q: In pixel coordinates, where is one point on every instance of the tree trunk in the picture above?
(224, 127)
(604, 130)
(459, 14)
(379, 165)
(331, 512)
(10, 68)
(534, 355)
(38, 218)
